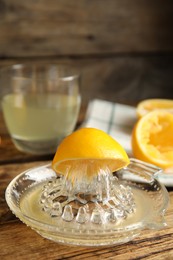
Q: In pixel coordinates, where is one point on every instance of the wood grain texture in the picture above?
(20, 242)
(62, 27)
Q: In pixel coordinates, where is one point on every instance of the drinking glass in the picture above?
(40, 105)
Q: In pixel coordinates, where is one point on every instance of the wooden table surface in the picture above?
(17, 241)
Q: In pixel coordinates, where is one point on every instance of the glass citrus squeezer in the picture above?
(112, 208)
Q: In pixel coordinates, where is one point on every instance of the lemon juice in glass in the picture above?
(41, 105)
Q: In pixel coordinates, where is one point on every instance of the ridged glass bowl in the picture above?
(90, 216)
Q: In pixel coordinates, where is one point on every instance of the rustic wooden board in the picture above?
(62, 27)
(20, 242)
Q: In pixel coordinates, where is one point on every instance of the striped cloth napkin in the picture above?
(118, 121)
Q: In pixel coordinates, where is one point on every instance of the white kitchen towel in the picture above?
(118, 121)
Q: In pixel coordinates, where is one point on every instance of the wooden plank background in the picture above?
(124, 48)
